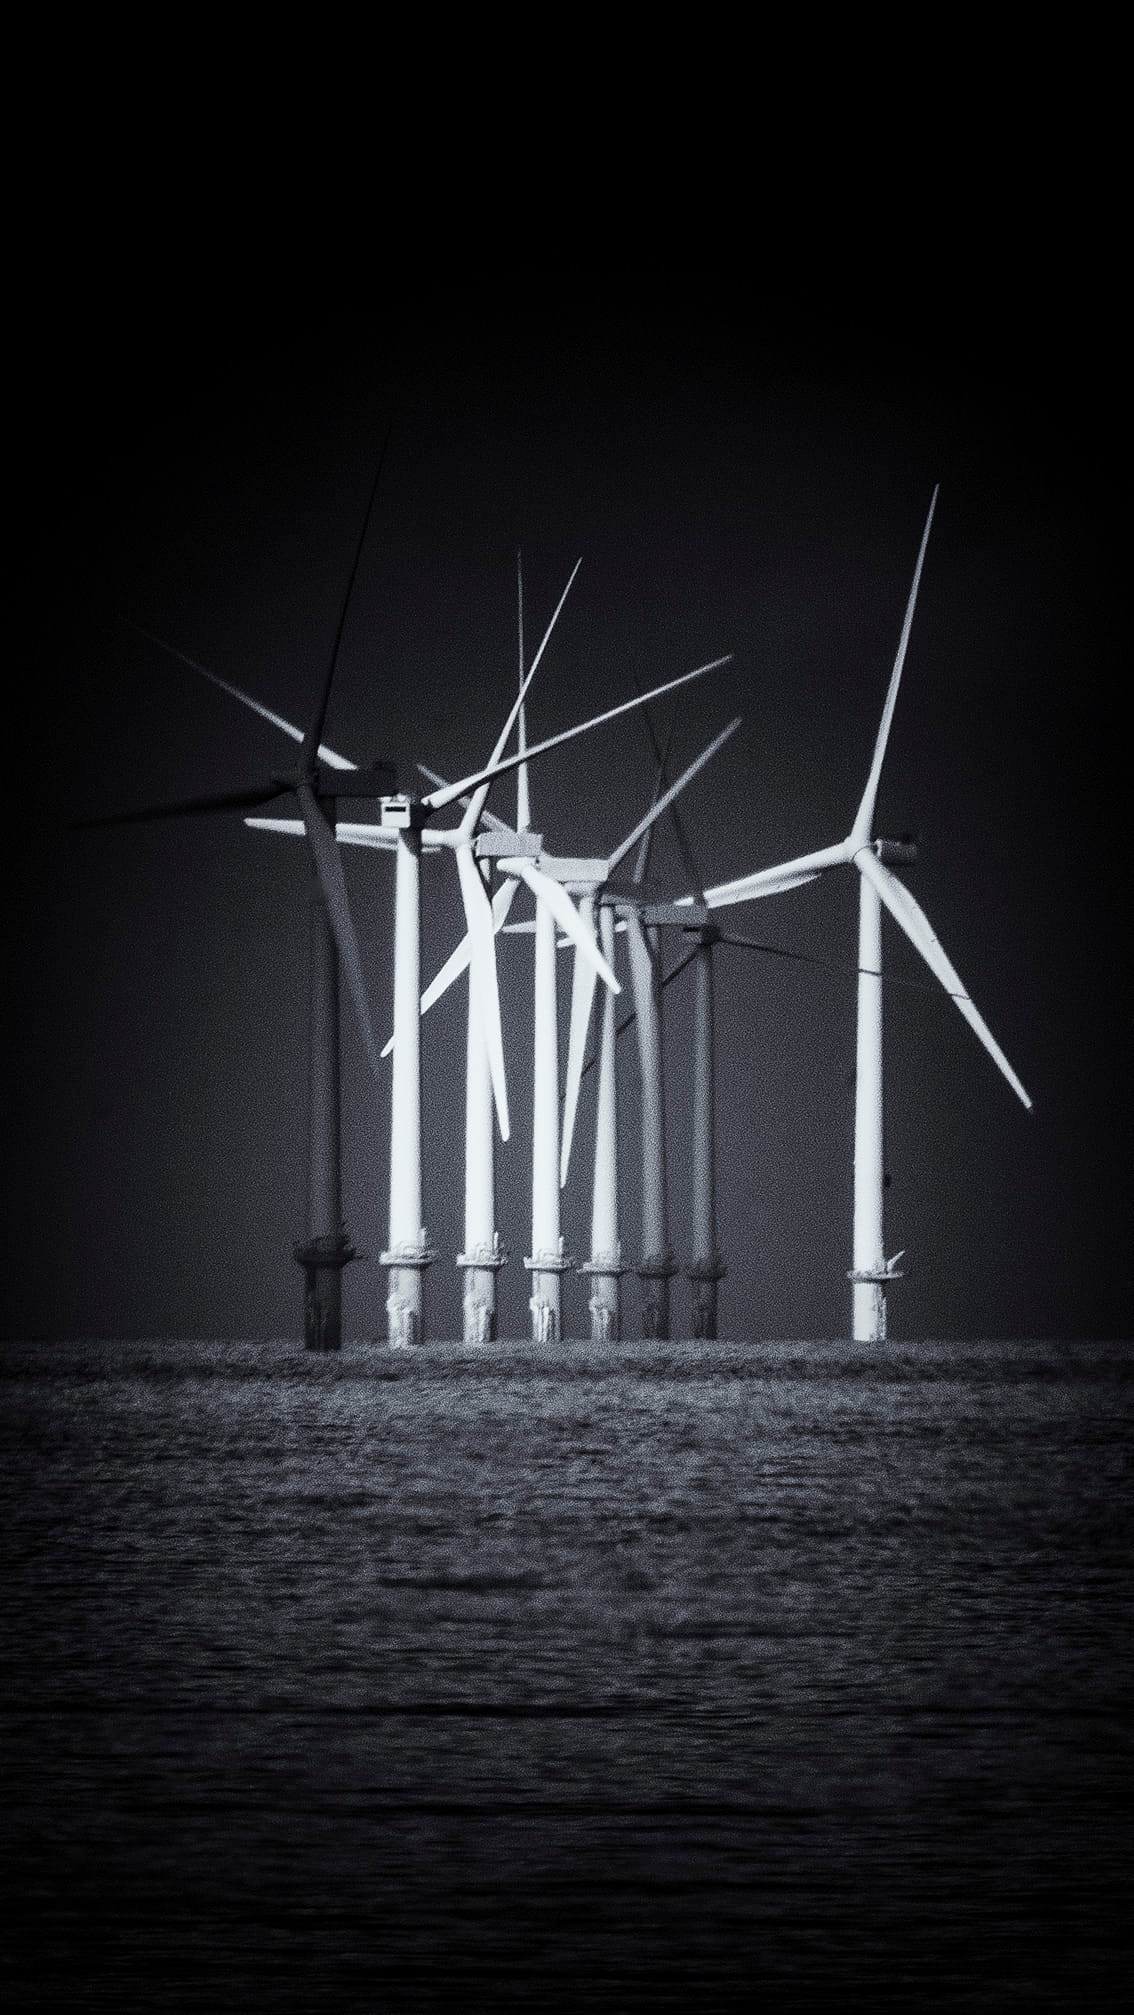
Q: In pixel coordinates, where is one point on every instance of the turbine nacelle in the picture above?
(581, 874)
(493, 845)
(403, 814)
(895, 853)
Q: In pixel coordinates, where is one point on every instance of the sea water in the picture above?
(629, 1677)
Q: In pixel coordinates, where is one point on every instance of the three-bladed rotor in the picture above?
(864, 851)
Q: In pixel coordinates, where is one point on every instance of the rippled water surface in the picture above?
(683, 1676)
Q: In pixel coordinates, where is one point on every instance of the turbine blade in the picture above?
(643, 860)
(667, 797)
(774, 951)
(329, 869)
(566, 915)
(584, 979)
(358, 833)
(921, 934)
(679, 968)
(481, 791)
(628, 1020)
(438, 799)
(773, 881)
(523, 798)
(829, 965)
(315, 726)
(641, 959)
(348, 832)
(490, 818)
(518, 702)
(864, 820)
(217, 801)
(326, 755)
(457, 961)
(686, 851)
(482, 944)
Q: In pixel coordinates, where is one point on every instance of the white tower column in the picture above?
(482, 1257)
(708, 1266)
(868, 1274)
(547, 1260)
(409, 1253)
(605, 1268)
(657, 1265)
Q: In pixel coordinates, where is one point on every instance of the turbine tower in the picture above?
(871, 1272)
(658, 1264)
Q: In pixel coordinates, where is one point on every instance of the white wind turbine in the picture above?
(601, 894)
(878, 885)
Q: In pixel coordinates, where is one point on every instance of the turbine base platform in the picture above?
(323, 1260)
(657, 1266)
(610, 1263)
(713, 1269)
(488, 1258)
(414, 1256)
(550, 1262)
(705, 1275)
(655, 1272)
(406, 1266)
(334, 1250)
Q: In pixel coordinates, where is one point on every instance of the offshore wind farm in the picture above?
(579, 896)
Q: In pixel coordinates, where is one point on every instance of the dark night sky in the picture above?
(741, 471)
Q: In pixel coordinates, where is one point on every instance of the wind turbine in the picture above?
(871, 1271)
(601, 893)
(319, 780)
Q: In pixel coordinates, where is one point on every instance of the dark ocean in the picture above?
(686, 1676)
